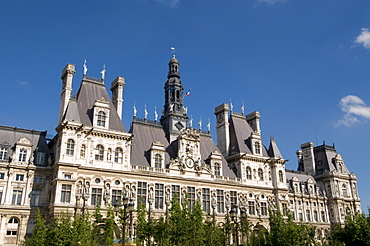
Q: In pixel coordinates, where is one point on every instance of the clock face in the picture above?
(190, 163)
(219, 118)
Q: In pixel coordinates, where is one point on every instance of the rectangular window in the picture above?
(233, 198)
(176, 192)
(116, 196)
(35, 197)
(40, 158)
(300, 215)
(11, 233)
(3, 153)
(22, 155)
(37, 180)
(206, 197)
(191, 197)
(159, 196)
(17, 197)
(263, 208)
(1, 196)
(251, 208)
(141, 193)
(2, 175)
(96, 195)
(65, 195)
(19, 177)
(220, 201)
(67, 176)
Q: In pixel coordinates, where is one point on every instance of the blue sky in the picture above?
(305, 65)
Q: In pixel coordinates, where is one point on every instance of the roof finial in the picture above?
(209, 125)
(200, 123)
(145, 112)
(243, 108)
(155, 114)
(85, 67)
(103, 72)
(135, 111)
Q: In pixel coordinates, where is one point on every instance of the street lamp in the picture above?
(128, 208)
(234, 217)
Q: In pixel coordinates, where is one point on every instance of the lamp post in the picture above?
(234, 217)
(128, 208)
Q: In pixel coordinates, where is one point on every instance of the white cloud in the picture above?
(22, 82)
(270, 1)
(172, 3)
(364, 38)
(355, 110)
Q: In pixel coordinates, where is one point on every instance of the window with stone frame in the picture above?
(308, 215)
(264, 208)
(251, 208)
(3, 153)
(191, 197)
(141, 193)
(233, 198)
(101, 119)
(12, 229)
(344, 190)
(281, 176)
(249, 173)
(158, 161)
(2, 175)
(257, 148)
(315, 216)
(118, 155)
(158, 196)
(285, 209)
(70, 147)
(19, 177)
(175, 190)
(22, 155)
(220, 201)
(116, 196)
(323, 217)
(217, 169)
(17, 196)
(35, 198)
(40, 158)
(96, 195)
(99, 152)
(260, 174)
(65, 194)
(206, 200)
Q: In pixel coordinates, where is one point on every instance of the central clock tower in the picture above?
(174, 118)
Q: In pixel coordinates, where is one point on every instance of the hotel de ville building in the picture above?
(94, 159)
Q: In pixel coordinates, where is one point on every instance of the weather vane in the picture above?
(173, 51)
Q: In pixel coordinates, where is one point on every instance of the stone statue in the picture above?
(85, 67)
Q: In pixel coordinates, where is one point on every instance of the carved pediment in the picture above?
(24, 142)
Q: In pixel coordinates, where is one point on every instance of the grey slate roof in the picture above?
(302, 177)
(81, 109)
(240, 131)
(326, 154)
(274, 150)
(146, 133)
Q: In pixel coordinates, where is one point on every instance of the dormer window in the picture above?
(281, 176)
(70, 147)
(158, 161)
(22, 155)
(344, 190)
(3, 153)
(40, 158)
(257, 148)
(101, 119)
(217, 169)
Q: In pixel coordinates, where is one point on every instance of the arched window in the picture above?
(22, 155)
(83, 151)
(12, 228)
(217, 169)
(70, 147)
(118, 153)
(99, 152)
(344, 190)
(257, 148)
(281, 177)
(101, 119)
(260, 174)
(158, 161)
(249, 173)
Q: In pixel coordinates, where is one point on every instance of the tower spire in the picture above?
(174, 118)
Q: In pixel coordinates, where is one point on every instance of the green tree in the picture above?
(108, 234)
(39, 233)
(356, 230)
(287, 232)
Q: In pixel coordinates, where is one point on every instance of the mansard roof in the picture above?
(146, 133)
(81, 110)
(240, 132)
(325, 159)
(301, 176)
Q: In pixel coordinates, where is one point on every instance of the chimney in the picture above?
(308, 158)
(222, 126)
(253, 120)
(117, 94)
(67, 76)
